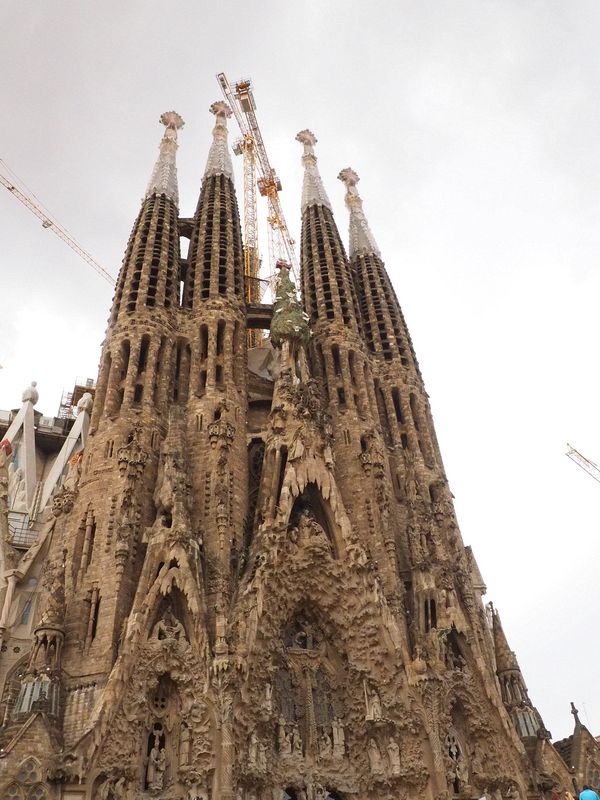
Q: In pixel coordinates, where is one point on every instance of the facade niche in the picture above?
(309, 521)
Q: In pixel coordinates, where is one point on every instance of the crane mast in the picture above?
(53, 225)
(583, 462)
(281, 243)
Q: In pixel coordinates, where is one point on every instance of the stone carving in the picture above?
(375, 762)
(185, 745)
(296, 740)
(373, 704)
(168, 627)
(112, 789)
(325, 745)
(253, 750)
(339, 738)
(31, 394)
(262, 757)
(157, 764)
(393, 756)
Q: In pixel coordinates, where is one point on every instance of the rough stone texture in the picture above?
(256, 586)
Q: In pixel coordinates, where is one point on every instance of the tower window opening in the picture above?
(202, 382)
(404, 441)
(337, 364)
(341, 397)
(219, 375)
(203, 342)
(26, 612)
(414, 411)
(397, 406)
(95, 618)
(137, 393)
(220, 336)
(352, 367)
(143, 357)
(430, 615)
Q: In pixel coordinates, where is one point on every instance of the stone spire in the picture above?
(219, 160)
(361, 238)
(164, 174)
(313, 191)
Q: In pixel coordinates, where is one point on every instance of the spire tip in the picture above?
(220, 109)
(348, 176)
(172, 120)
(306, 137)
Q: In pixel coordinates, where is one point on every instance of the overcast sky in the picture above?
(475, 129)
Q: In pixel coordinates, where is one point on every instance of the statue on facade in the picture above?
(375, 762)
(296, 740)
(373, 704)
(325, 746)
(339, 738)
(157, 764)
(168, 627)
(394, 756)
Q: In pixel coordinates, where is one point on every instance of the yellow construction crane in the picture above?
(29, 201)
(256, 161)
(583, 462)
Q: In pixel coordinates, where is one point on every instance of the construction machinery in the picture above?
(34, 205)
(583, 462)
(258, 174)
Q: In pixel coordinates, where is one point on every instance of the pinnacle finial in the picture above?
(313, 191)
(171, 119)
(362, 241)
(220, 109)
(219, 160)
(348, 177)
(306, 137)
(164, 174)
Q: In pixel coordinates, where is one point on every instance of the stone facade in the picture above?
(253, 584)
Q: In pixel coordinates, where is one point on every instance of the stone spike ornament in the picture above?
(361, 238)
(219, 159)
(313, 191)
(164, 174)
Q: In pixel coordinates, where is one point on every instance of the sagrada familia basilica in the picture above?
(236, 572)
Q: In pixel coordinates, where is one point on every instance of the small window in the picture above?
(26, 612)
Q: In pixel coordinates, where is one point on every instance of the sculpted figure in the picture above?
(157, 763)
(373, 703)
(268, 697)
(168, 627)
(462, 771)
(325, 748)
(374, 758)
(262, 757)
(297, 740)
(281, 733)
(339, 738)
(394, 756)
(185, 743)
(197, 792)
(253, 750)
